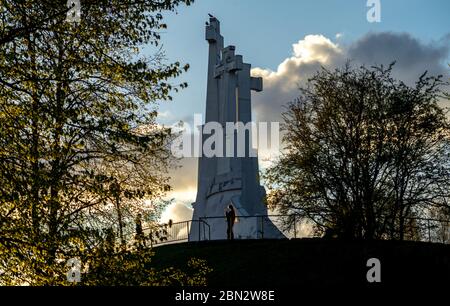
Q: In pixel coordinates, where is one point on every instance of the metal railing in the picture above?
(291, 226)
(426, 229)
(263, 224)
(174, 232)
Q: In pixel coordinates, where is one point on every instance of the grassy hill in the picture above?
(312, 262)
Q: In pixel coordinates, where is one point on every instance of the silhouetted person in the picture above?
(140, 238)
(231, 217)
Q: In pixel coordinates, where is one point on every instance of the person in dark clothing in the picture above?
(231, 217)
(140, 238)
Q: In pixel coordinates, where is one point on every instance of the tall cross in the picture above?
(226, 71)
(229, 63)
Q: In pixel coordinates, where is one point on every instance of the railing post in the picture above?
(448, 233)
(262, 227)
(429, 235)
(295, 226)
(187, 231)
(443, 231)
(151, 238)
(204, 235)
(447, 237)
(199, 218)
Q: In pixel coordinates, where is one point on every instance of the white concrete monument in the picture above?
(229, 180)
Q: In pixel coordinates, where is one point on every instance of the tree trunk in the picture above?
(119, 216)
(56, 150)
(35, 179)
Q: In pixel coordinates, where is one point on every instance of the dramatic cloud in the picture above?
(184, 184)
(281, 86)
(412, 57)
(176, 212)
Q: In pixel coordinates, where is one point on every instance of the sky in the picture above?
(287, 41)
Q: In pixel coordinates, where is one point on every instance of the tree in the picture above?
(80, 149)
(10, 32)
(364, 152)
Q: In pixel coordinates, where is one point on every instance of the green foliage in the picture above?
(131, 268)
(364, 152)
(80, 150)
(195, 274)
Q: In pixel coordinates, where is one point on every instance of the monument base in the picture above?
(247, 226)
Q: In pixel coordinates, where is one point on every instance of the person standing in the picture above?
(140, 237)
(230, 213)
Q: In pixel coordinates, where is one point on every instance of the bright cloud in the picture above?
(315, 48)
(184, 184)
(176, 212)
(413, 57)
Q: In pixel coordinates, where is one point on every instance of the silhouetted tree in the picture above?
(79, 146)
(38, 20)
(364, 152)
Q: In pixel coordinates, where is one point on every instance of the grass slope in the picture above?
(311, 262)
